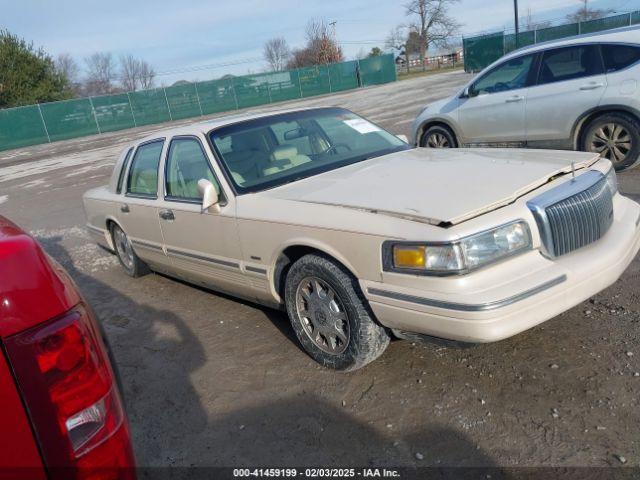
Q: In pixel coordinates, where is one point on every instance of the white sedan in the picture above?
(359, 236)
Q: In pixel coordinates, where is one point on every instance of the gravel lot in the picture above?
(210, 380)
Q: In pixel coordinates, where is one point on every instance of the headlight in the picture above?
(460, 256)
(612, 181)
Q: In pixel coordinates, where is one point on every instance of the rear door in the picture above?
(203, 245)
(570, 81)
(494, 111)
(138, 210)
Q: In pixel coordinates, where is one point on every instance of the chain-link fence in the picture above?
(50, 122)
(482, 50)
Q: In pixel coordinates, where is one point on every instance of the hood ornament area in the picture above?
(573, 171)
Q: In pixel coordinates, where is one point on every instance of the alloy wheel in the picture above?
(612, 141)
(437, 140)
(322, 315)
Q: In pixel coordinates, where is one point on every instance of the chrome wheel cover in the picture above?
(322, 315)
(123, 247)
(612, 141)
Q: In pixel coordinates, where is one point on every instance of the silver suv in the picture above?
(579, 93)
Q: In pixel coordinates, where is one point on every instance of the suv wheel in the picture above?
(616, 136)
(128, 258)
(438, 136)
(330, 316)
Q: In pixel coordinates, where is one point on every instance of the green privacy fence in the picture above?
(483, 50)
(50, 122)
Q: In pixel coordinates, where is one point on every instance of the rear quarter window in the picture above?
(123, 170)
(618, 57)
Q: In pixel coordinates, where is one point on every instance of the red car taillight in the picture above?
(68, 386)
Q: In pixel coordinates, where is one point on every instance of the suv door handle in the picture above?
(515, 99)
(124, 208)
(167, 215)
(592, 86)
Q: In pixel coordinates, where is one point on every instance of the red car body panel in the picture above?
(36, 291)
(33, 288)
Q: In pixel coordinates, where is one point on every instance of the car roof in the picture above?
(208, 125)
(619, 35)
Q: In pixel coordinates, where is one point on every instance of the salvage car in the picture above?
(62, 414)
(578, 93)
(359, 236)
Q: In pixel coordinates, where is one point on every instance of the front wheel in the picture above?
(330, 315)
(438, 136)
(616, 137)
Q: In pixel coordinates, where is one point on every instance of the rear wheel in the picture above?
(330, 316)
(128, 258)
(615, 136)
(438, 136)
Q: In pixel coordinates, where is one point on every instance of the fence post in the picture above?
(299, 83)
(579, 28)
(95, 117)
(359, 72)
(195, 84)
(329, 77)
(630, 18)
(44, 124)
(135, 124)
(535, 35)
(235, 97)
(166, 99)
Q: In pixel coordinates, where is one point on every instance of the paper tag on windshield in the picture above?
(360, 125)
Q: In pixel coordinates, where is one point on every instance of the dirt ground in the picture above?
(212, 381)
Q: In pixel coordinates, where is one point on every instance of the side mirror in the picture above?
(209, 195)
(403, 138)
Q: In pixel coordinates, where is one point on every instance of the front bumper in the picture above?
(512, 302)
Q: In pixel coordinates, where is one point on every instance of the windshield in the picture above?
(271, 151)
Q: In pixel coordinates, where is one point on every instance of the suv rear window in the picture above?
(569, 63)
(617, 57)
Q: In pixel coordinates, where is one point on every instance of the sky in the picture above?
(201, 40)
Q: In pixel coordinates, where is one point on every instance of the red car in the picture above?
(61, 413)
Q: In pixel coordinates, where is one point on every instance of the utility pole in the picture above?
(333, 28)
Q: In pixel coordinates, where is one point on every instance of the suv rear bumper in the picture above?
(552, 287)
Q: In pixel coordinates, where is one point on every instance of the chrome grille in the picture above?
(574, 214)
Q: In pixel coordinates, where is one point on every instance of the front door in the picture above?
(203, 245)
(138, 210)
(494, 110)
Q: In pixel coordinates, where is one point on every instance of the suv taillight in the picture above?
(68, 386)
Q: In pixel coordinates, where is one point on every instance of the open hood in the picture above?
(436, 186)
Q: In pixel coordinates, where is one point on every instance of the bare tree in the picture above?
(276, 53)
(432, 23)
(147, 75)
(135, 73)
(584, 13)
(67, 66)
(100, 73)
(322, 46)
(397, 40)
(129, 72)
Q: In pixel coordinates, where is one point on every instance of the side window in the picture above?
(569, 63)
(143, 174)
(617, 57)
(511, 75)
(123, 170)
(186, 164)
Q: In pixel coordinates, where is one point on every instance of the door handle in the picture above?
(515, 99)
(124, 208)
(167, 215)
(592, 86)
